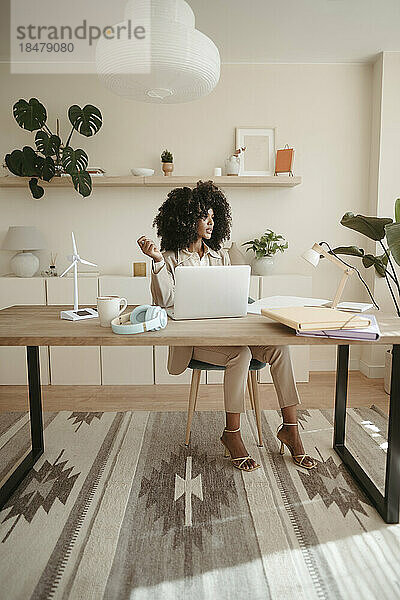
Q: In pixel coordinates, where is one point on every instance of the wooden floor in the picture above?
(318, 393)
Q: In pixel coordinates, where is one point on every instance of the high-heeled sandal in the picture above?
(295, 457)
(242, 459)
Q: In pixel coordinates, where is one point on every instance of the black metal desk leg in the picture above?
(387, 504)
(392, 482)
(35, 409)
(35, 399)
(342, 375)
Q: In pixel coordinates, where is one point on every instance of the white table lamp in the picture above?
(313, 256)
(24, 238)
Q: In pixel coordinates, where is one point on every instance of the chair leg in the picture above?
(250, 390)
(194, 388)
(256, 399)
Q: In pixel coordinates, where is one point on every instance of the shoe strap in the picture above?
(283, 423)
(242, 459)
(231, 430)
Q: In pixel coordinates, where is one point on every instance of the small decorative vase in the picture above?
(167, 167)
(232, 165)
(237, 258)
(263, 266)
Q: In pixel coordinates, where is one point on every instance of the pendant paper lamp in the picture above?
(174, 63)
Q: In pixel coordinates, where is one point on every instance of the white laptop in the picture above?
(211, 292)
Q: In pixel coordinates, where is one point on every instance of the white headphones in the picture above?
(142, 318)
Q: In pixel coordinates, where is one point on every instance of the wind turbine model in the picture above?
(83, 313)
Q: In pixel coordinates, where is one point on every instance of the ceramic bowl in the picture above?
(141, 172)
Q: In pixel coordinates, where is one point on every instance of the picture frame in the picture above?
(259, 157)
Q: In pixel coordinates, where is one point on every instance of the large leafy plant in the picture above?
(377, 229)
(51, 157)
(269, 244)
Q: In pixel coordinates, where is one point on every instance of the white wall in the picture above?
(324, 111)
(388, 183)
(384, 183)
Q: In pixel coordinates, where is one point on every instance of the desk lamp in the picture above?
(313, 256)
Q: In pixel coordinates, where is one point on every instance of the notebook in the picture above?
(366, 333)
(310, 318)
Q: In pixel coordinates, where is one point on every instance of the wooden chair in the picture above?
(198, 366)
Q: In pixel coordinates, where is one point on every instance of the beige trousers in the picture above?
(237, 360)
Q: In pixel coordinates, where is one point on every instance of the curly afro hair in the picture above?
(178, 216)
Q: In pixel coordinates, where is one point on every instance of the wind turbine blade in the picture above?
(86, 262)
(74, 244)
(68, 268)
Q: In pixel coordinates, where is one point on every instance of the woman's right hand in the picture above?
(149, 248)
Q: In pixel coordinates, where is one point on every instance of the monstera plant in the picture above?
(50, 157)
(376, 229)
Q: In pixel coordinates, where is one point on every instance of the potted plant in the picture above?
(377, 229)
(264, 249)
(51, 157)
(167, 162)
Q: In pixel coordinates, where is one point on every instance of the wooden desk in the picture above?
(34, 326)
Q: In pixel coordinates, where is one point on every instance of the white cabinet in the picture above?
(124, 365)
(74, 365)
(13, 366)
(21, 290)
(135, 289)
(60, 290)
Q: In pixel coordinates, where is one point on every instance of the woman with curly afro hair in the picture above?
(192, 225)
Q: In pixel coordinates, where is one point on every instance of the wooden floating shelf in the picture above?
(161, 181)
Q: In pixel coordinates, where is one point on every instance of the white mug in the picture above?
(109, 307)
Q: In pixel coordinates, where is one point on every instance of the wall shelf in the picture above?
(161, 181)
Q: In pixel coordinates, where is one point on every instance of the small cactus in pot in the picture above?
(167, 161)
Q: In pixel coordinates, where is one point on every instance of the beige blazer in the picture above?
(163, 289)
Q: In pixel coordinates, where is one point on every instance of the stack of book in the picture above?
(325, 322)
(95, 171)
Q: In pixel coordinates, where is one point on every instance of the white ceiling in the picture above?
(300, 30)
(257, 31)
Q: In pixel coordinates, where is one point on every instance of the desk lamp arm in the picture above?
(348, 270)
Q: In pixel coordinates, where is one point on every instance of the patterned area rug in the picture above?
(119, 508)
